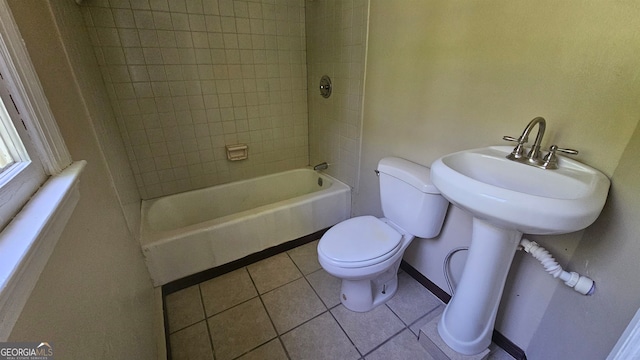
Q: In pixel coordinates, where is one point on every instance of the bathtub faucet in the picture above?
(321, 166)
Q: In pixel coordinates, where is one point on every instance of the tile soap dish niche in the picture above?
(237, 152)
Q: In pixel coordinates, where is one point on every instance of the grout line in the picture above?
(327, 310)
(345, 333)
(304, 322)
(394, 313)
(206, 322)
(171, 331)
(264, 307)
(386, 341)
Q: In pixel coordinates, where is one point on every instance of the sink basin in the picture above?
(506, 199)
(521, 197)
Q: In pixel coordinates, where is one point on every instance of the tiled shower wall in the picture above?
(187, 77)
(336, 46)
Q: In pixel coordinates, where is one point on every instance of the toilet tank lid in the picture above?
(413, 174)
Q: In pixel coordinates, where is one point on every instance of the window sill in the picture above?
(29, 239)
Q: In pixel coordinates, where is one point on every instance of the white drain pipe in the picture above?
(581, 284)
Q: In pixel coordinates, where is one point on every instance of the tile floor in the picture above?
(287, 307)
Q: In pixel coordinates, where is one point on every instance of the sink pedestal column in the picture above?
(468, 320)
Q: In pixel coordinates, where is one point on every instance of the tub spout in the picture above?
(321, 166)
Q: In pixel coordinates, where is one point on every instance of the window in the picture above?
(22, 172)
(38, 181)
(8, 135)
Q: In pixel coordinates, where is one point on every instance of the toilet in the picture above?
(366, 251)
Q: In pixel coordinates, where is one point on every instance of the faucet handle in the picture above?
(518, 151)
(511, 138)
(566, 151)
(550, 160)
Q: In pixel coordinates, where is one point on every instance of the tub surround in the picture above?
(187, 78)
(340, 52)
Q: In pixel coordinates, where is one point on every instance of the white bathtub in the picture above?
(186, 233)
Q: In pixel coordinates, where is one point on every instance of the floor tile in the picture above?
(319, 339)
(306, 257)
(370, 329)
(412, 301)
(272, 350)
(240, 329)
(289, 294)
(292, 304)
(403, 346)
(497, 353)
(184, 308)
(415, 327)
(275, 271)
(191, 343)
(327, 286)
(226, 291)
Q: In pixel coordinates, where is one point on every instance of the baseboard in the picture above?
(435, 289)
(508, 346)
(209, 274)
(177, 285)
(497, 338)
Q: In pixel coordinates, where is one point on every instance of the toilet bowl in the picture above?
(368, 271)
(365, 251)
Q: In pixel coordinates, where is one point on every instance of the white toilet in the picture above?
(365, 252)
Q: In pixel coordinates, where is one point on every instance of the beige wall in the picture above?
(609, 254)
(94, 299)
(441, 76)
(187, 78)
(444, 76)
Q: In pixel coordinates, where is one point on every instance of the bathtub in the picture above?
(186, 233)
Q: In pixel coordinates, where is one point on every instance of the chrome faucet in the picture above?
(321, 166)
(533, 157)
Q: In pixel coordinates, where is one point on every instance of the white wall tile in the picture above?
(177, 6)
(140, 4)
(189, 77)
(334, 124)
(143, 19)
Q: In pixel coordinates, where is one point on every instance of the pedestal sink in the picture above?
(506, 199)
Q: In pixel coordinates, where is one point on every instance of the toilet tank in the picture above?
(409, 199)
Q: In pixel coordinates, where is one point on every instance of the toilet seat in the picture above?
(359, 242)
